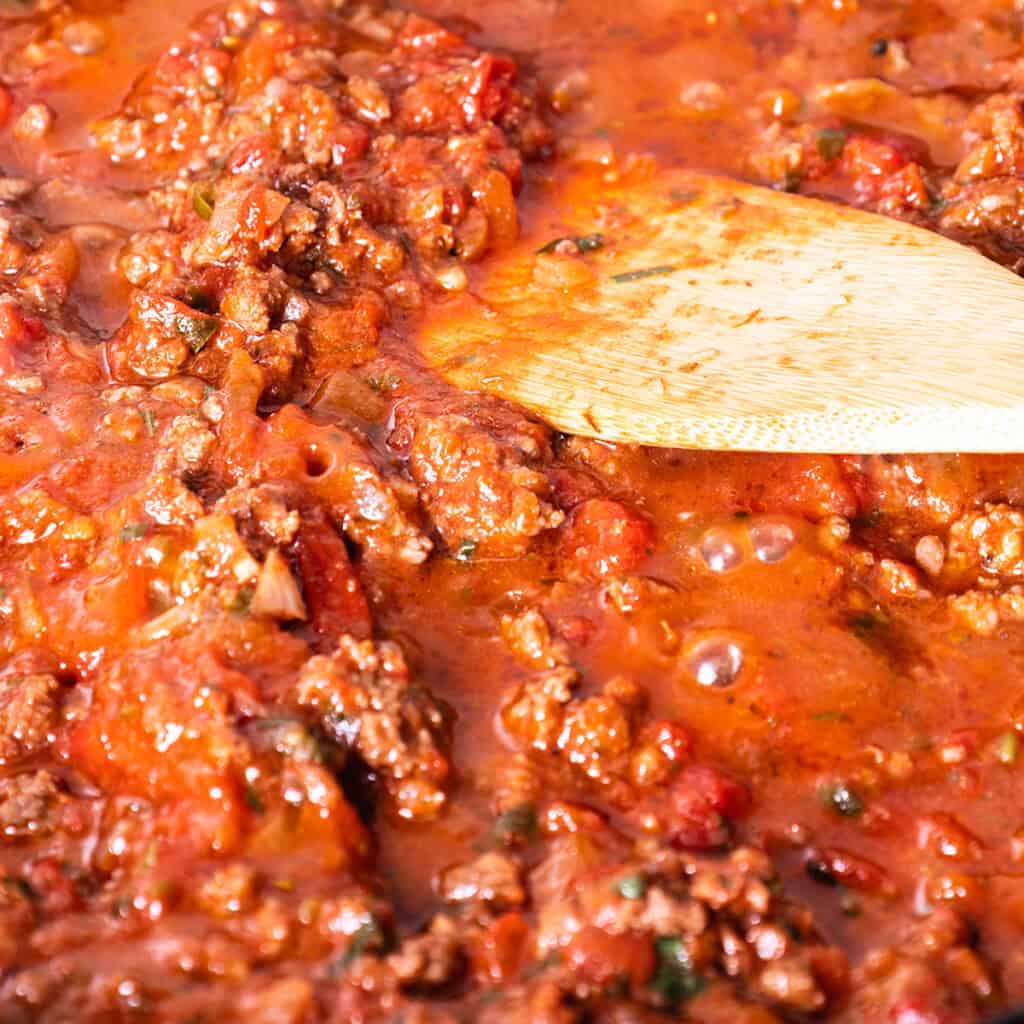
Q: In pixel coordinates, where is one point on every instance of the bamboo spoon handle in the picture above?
(713, 314)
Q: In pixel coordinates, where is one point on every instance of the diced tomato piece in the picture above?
(350, 142)
(6, 103)
(603, 958)
(670, 738)
(251, 155)
(907, 187)
(94, 612)
(422, 35)
(54, 888)
(499, 953)
(487, 88)
(605, 537)
(256, 62)
(703, 803)
(334, 596)
(570, 487)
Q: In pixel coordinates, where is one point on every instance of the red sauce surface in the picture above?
(328, 693)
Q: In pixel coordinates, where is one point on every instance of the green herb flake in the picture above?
(639, 275)
(583, 243)
(198, 299)
(830, 143)
(149, 421)
(385, 382)
(632, 887)
(122, 906)
(518, 823)
(196, 330)
(252, 798)
(790, 181)
(867, 624)
(202, 201)
(840, 797)
(849, 904)
(132, 531)
(1006, 748)
(239, 604)
(684, 196)
(366, 937)
(675, 980)
(466, 551)
(830, 715)
(868, 520)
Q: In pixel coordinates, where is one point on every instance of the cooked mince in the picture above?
(331, 694)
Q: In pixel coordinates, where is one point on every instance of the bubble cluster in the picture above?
(725, 548)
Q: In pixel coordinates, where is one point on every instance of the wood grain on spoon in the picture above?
(714, 314)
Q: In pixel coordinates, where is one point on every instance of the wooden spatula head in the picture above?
(686, 310)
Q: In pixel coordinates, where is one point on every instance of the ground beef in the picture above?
(29, 804)
(367, 704)
(478, 493)
(28, 714)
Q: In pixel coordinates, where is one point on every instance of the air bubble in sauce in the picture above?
(715, 660)
(772, 541)
(720, 550)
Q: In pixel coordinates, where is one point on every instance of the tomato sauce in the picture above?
(329, 693)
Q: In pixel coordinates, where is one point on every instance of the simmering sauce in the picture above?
(329, 693)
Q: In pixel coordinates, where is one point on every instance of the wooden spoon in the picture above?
(686, 310)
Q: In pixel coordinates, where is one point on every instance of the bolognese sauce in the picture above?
(329, 693)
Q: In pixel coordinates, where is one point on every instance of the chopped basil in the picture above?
(830, 715)
(639, 275)
(831, 142)
(239, 604)
(196, 330)
(366, 937)
(583, 243)
(386, 382)
(149, 419)
(868, 520)
(122, 905)
(632, 887)
(675, 979)
(880, 47)
(252, 798)
(132, 531)
(198, 299)
(465, 551)
(683, 196)
(791, 180)
(516, 824)
(868, 624)
(202, 201)
(849, 904)
(839, 797)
